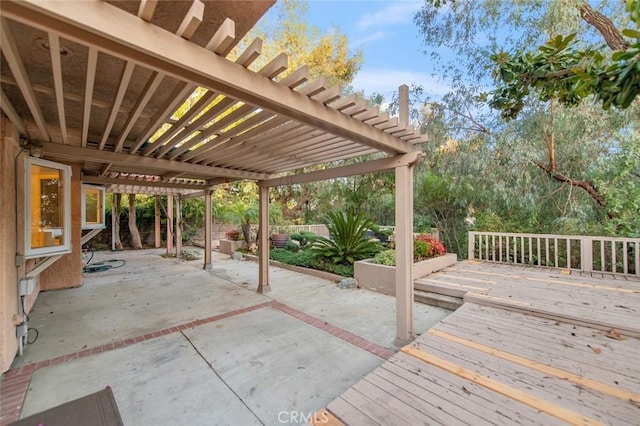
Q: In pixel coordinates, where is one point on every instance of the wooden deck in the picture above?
(529, 346)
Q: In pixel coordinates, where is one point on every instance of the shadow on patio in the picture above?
(180, 345)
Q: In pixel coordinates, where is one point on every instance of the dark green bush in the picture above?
(307, 259)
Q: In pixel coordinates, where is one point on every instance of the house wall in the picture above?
(65, 273)
(8, 271)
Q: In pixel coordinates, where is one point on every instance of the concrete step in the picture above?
(439, 300)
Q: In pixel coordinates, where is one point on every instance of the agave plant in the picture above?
(347, 242)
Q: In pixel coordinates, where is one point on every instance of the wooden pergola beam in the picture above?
(373, 166)
(14, 117)
(125, 77)
(92, 63)
(150, 183)
(56, 67)
(146, 9)
(79, 153)
(11, 54)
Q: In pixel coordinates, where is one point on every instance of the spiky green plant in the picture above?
(347, 242)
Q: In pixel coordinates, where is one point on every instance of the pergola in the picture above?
(92, 81)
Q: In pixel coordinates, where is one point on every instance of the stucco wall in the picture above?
(8, 271)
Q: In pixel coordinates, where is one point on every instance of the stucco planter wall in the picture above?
(228, 246)
(382, 278)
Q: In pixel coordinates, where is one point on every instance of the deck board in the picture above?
(529, 346)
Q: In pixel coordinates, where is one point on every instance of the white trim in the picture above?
(65, 247)
(83, 209)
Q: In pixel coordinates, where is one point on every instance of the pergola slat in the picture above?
(276, 66)
(11, 54)
(192, 20)
(92, 63)
(296, 78)
(146, 9)
(222, 40)
(56, 65)
(250, 54)
(125, 77)
(11, 112)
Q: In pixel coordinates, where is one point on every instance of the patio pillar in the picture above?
(156, 235)
(169, 224)
(179, 226)
(404, 237)
(263, 247)
(208, 225)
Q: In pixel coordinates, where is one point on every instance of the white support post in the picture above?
(156, 224)
(404, 255)
(179, 226)
(586, 251)
(208, 225)
(169, 224)
(403, 101)
(263, 249)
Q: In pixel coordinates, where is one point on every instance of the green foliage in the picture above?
(385, 257)
(291, 246)
(348, 242)
(425, 246)
(307, 259)
(304, 238)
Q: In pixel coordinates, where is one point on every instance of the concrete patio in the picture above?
(181, 345)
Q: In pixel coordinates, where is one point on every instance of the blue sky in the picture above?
(390, 42)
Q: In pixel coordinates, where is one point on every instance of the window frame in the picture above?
(65, 247)
(103, 191)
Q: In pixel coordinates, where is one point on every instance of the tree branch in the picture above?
(605, 26)
(587, 186)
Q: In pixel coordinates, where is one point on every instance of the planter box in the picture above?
(382, 278)
(228, 246)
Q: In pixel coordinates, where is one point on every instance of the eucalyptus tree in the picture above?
(552, 162)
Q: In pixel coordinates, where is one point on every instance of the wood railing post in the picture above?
(586, 254)
(472, 245)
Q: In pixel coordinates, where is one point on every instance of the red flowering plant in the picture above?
(425, 246)
(234, 235)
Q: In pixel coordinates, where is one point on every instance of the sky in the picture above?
(390, 42)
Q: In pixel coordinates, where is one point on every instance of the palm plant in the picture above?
(347, 242)
(244, 215)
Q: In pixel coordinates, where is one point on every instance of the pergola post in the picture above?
(263, 247)
(156, 234)
(404, 237)
(178, 226)
(169, 224)
(208, 225)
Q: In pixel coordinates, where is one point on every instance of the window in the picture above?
(92, 207)
(48, 208)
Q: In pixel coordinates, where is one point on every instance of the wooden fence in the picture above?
(582, 253)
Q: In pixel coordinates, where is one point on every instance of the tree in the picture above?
(326, 54)
(133, 227)
(115, 221)
(561, 69)
(550, 156)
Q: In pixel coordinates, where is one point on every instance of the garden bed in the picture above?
(229, 246)
(382, 278)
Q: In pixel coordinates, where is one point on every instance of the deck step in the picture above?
(439, 300)
(423, 284)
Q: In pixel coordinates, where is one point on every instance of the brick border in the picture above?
(15, 382)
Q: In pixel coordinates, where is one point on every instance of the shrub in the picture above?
(307, 259)
(385, 257)
(305, 238)
(234, 235)
(348, 242)
(424, 247)
(434, 247)
(291, 246)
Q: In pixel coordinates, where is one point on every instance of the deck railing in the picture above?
(581, 253)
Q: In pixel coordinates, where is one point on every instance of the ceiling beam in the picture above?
(192, 20)
(125, 77)
(13, 115)
(56, 67)
(373, 166)
(79, 153)
(147, 93)
(11, 54)
(150, 183)
(91, 22)
(92, 62)
(223, 38)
